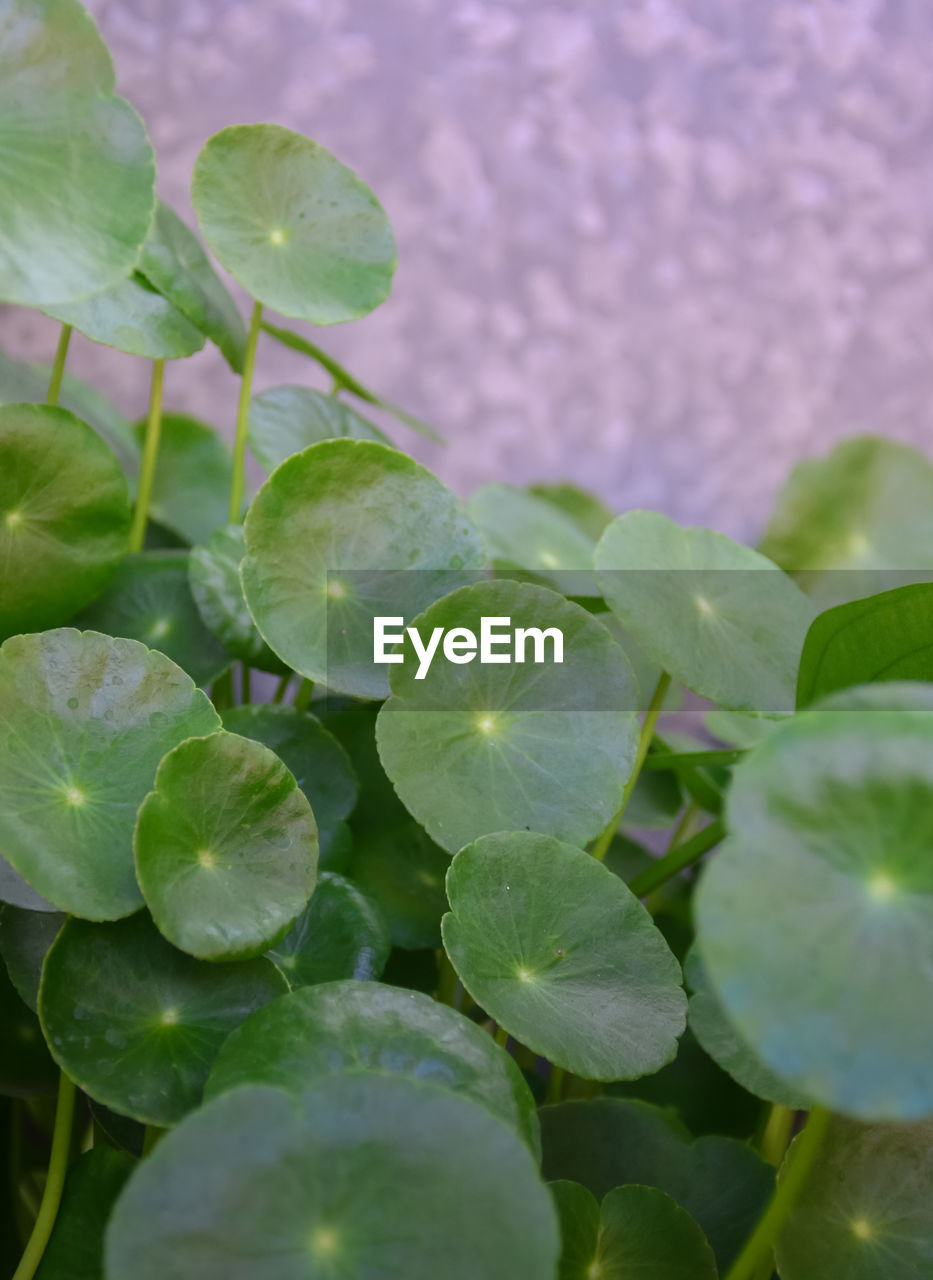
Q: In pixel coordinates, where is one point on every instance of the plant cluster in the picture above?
(374, 979)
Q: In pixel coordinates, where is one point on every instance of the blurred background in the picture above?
(662, 249)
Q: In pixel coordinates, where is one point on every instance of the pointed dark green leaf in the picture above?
(349, 1026)
(866, 1211)
(136, 1023)
(562, 954)
(150, 600)
(832, 822)
(64, 516)
(173, 262)
(473, 749)
(86, 721)
(78, 169)
(25, 937)
(361, 509)
(191, 489)
(75, 1250)
(340, 934)
(354, 1179)
(214, 576)
(313, 755)
(296, 228)
(133, 317)
(717, 616)
(285, 420)
(523, 532)
(226, 848)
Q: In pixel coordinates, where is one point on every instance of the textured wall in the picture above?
(662, 248)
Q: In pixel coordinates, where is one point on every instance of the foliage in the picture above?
(398, 970)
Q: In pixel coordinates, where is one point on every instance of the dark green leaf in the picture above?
(340, 934)
(25, 937)
(285, 420)
(191, 489)
(75, 1250)
(402, 869)
(214, 577)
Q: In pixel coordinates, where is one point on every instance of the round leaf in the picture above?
(638, 1233)
(132, 317)
(285, 420)
(64, 516)
(346, 1026)
(586, 510)
(318, 761)
(866, 1211)
(25, 937)
(524, 532)
(26, 1070)
(477, 748)
(355, 1179)
(86, 720)
(16, 892)
(562, 954)
(214, 576)
(830, 985)
(173, 262)
(403, 870)
(150, 600)
(720, 618)
(137, 1024)
(393, 536)
(78, 170)
(226, 848)
(340, 934)
(294, 226)
(191, 488)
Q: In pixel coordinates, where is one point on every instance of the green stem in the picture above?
(150, 457)
(152, 1137)
(446, 979)
(776, 1134)
(281, 687)
(501, 1037)
(222, 691)
(791, 1182)
(555, 1084)
(303, 696)
(58, 368)
(238, 484)
(601, 847)
(54, 1183)
(677, 859)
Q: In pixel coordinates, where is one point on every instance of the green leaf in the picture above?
(336, 1027)
(132, 317)
(832, 821)
(226, 848)
(285, 420)
(718, 617)
(886, 637)
(587, 511)
(137, 1024)
(86, 720)
(638, 1233)
(75, 1250)
(313, 755)
(26, 1070)
(29, 383)
(354, 1179)
(340, 934)
(214, 578)
(477, 748)
(64, 516)
(25, 937)
(296, 228)
(608, 1142)
(346, 531)
(719, 1038)
(78, 169)
(523, 532)
(191, 489)
(150, 600)
(402, 869)
(866, 1210)
(173, 262)
(562, 954)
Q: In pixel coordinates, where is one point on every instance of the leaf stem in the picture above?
(54, 1183)
(303, 696)
(677, 859)
(238, 483)
(600, 848)
(150, 457)
(281, 687)
(793, 1176)
(776, 1134)
(58, 368)
(555, 1084)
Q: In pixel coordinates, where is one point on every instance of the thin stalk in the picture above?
(555, 1084)
(152, 1137)
(776, 1134)
(222, 690)
(677, 859)
(797, 1167)
(58, 368)
(501, 1037)
(281, 687)
(238, 484)
(246, 683)
(446, 979)
(54, 1183)
(150, 457)
(600, 848)
(303, 696)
